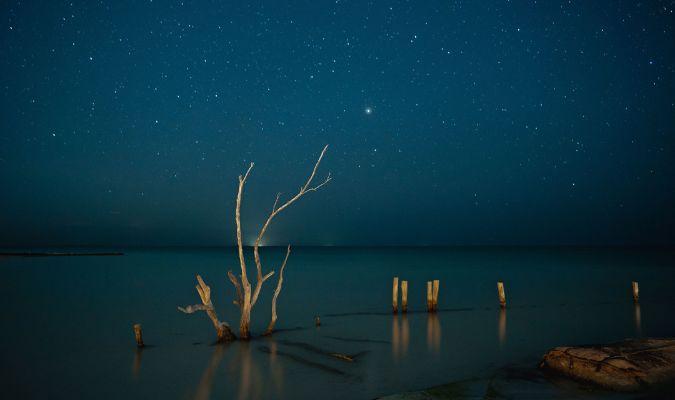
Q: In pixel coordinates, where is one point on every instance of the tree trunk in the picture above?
(245, 320)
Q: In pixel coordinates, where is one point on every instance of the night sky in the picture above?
(449, 123)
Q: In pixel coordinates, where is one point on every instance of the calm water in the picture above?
(67, 320)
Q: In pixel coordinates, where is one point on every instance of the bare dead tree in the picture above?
(246, 294)
(249, 298)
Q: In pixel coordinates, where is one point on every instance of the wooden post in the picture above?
(430, 299)
(435, 293)
(139, 335)
(502, 295)
(317, 321)
(404, 296)
(394, 295)
(636, 291)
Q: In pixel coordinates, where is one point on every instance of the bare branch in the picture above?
(315, 188)
(266, 277)
(258, 286)
(273, 321)
(274, 207)
(193, 308)
(316, 166)
(275, 211)
(240, 300)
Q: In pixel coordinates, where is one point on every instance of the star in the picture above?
(368, 110)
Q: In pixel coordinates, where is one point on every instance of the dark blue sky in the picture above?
(479, 122)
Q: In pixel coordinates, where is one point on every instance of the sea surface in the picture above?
(67, 321)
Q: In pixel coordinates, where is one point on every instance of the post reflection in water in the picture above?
(136, 368)
(400, 336)
(433, 333)
(203, 391)
(638, 319)
(502, 326)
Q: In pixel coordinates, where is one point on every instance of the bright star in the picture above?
(368, 110)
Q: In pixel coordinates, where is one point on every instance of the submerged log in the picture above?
(625, 366)
(138, 333)
(394, 295)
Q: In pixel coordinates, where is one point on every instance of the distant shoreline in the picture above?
(56, 254)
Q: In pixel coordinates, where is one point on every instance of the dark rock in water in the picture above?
(625, 366)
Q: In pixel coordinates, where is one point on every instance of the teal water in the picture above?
(67, 321)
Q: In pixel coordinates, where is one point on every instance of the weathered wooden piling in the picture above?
(636, 291)
(436, 287)
(502, 294)
(138, 333)
(404, 296)
(394, 295)
(430, 298)
(317, 321)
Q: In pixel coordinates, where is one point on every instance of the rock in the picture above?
(625, 366)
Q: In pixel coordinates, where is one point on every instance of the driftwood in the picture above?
(223, 331)
(625, 366)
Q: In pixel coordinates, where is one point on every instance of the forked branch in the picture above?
(222, 328)
(306, 188)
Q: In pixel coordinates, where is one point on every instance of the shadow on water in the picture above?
(317, 350)
(302, 361)
(357, 340)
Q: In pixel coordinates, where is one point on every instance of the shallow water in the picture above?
(67, 320)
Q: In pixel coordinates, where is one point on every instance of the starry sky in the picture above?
(449, 122)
